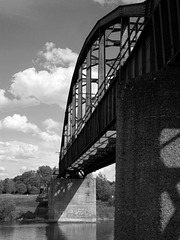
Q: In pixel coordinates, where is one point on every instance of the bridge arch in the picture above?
(104, 52)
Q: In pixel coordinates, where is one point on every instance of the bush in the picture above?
(28, 215)
(7, 209)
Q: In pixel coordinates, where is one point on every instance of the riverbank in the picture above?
(104, 211)
(31, 208)
(27, 207)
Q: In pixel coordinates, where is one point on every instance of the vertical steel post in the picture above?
(80, 96)
(69, 122)
(88, 84)
(101, 65)
(74, 110)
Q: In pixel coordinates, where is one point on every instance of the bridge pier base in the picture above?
(72, 200)
(148, 158)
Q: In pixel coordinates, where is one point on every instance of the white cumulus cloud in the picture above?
(3, 175)
(49, 85)
(46, 87)
(21, 123)
(18, 157)
(2, 169)
(120, 2)
(6, 103)
(108, 171)
(51, 57)
(51, 125)
(15, 150)
(3, 98)
(27, 168)
(23, 169)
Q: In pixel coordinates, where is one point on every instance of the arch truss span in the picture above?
(89, 130)
(129, 42)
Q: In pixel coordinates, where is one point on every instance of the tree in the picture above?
(45, 174)
(33, 189)
(103, 188)
(31, 179)
(1, 186)
(27, 175)
(34, 181)
(21, 188)
(9, 186)
(18, 179)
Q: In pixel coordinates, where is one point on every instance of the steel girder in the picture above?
(133, 40)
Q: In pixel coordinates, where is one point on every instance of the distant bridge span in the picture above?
(129, 42)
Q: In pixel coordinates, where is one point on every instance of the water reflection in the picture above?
(61, 231)
(105, 230)
(22, 231)
(71, 231)
(54, 232)
(6, 231)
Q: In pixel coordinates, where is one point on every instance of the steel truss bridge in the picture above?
(131, 41)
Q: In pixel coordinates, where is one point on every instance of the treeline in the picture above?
(33, 182)
(30, 182)
(105, 190)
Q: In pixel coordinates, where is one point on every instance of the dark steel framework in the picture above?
(130, 41)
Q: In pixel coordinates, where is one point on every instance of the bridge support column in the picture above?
(148, 158)
(72, 200)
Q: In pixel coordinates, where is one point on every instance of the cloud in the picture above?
(3, 99)
(20, 123)
(108, 171)
(49, 85)
(16, 102)
(48, 158)
(117, 2)
(19, 157)
(51, 57)
(51, 125)
(2, 169)
(103, 2)
(46, 87)
(15, 150)
(4, 175)
(27, 168)
(23, 169)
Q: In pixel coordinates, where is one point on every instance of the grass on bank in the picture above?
(104, 210)
(28, 207)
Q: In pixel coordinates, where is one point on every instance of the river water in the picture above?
(62, 231)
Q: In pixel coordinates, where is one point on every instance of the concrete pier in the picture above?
(72, 200)
(148, 158)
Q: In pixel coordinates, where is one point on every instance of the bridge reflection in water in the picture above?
(81, 231)
(65, 231)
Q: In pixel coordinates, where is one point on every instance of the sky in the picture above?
(39, 44)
